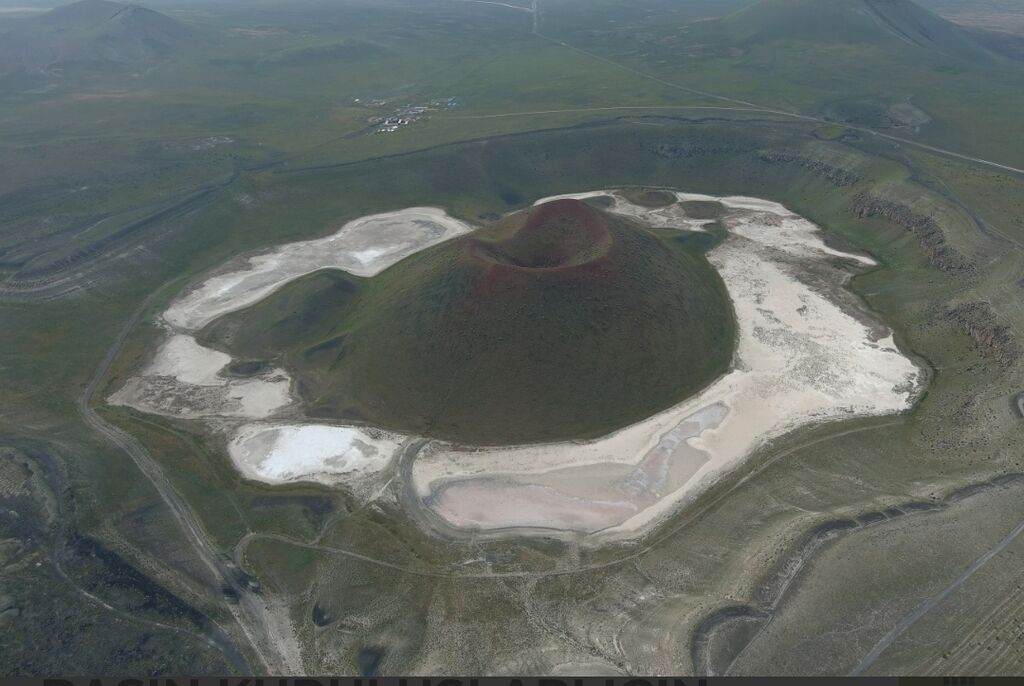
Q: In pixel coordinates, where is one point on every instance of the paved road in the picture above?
(499, 115)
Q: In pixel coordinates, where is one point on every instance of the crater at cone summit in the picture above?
(561, 321)
(556, 235)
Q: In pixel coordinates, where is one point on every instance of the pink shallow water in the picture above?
(496, 504)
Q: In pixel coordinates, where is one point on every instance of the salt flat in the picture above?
(279, 453)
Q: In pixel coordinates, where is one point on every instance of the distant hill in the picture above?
(1002, 43)
(89, 32)
(894, 23)
(83, 13)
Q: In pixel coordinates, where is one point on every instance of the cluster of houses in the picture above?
(407, 114)
(391, 124)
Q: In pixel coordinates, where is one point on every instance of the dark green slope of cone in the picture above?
(561, 322)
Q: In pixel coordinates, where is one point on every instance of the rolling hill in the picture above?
(90, 32)
(890, 23)
(557, 322)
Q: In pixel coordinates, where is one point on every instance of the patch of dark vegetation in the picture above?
(247, 367)
(319, 505)
(602, 202)
(512, 198)
(993, 337)
(136, 591)
(321, 617)
(368, 660)
(699, 241)
(51, 626)
(332, 347)
(940, 254)
(703, 209)
(650, 198)
(837, 176)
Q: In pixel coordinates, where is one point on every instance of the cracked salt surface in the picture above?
(804, 354)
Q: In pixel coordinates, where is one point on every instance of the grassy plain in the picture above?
(774, 55)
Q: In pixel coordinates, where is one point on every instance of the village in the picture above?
(402, 114)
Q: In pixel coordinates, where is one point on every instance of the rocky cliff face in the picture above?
(941, 255)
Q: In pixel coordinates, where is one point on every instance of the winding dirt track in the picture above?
(250, 613)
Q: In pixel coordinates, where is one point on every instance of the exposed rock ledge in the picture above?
(941, 255)
(835, 175)
(980, 322)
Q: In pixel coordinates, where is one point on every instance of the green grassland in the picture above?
(365, 588)
(802, 56)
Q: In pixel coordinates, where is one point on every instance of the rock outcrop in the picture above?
(837, 176)
(980, 322)
(941, 255)
(687, 149)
